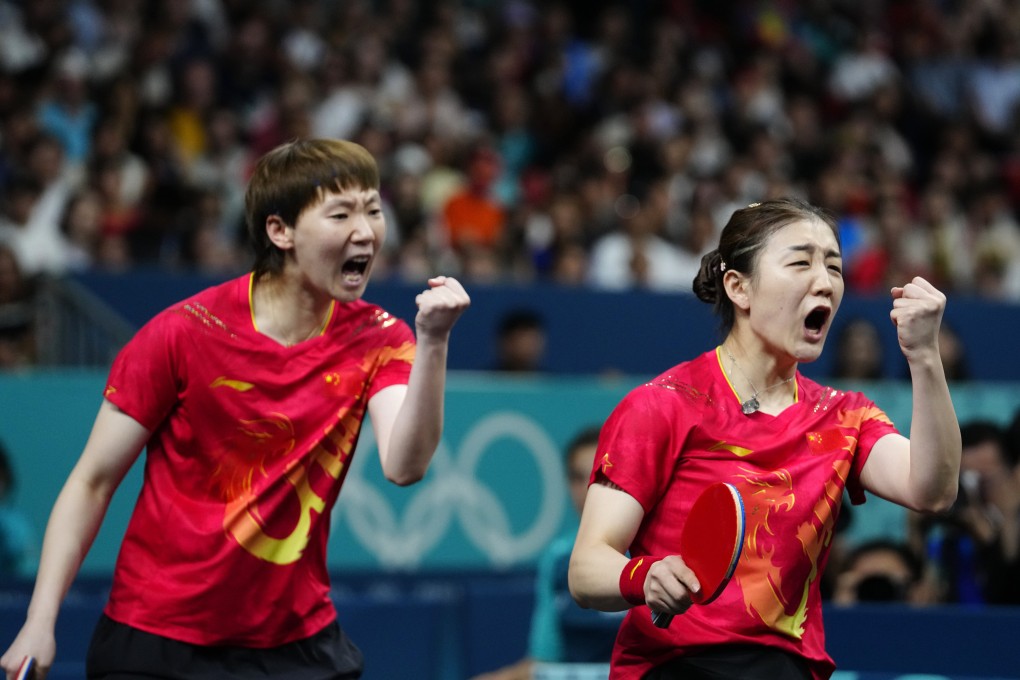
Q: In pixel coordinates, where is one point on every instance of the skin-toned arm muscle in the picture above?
(113, 446)
(923, 472)
(408, 420)
(609, 522)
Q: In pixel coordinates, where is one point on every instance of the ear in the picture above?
(280, 233)
(737, 288)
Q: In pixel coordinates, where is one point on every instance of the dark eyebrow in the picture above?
(345, 202)
(810, 249)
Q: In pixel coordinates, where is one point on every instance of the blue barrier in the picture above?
(503, 442)
(635, 332)
(450, 626)
(950, 640)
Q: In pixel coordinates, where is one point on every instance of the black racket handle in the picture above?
(662, 619)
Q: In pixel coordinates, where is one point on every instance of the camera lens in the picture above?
(879, 588)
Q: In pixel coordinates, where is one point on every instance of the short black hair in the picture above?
(1011, 441)
(976, 432)
(879, 545)
(520, 319)
(6, 473)
(589, 436)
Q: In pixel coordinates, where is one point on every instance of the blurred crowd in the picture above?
(968, 555)
(594, 144)
(585, 143)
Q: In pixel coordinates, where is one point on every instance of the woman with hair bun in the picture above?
(743, 414)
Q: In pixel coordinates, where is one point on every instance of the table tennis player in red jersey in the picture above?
(741, 413)
(248, 398)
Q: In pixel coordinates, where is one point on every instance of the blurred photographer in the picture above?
(975, 546)
(882, 571)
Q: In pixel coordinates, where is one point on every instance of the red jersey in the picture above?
(669, 439)
(251, 441)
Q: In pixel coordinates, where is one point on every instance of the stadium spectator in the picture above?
(858, 351)
(17, 313)
(975, 547)
(17, 538)
(520, 342)
(906, 139)
(882, 571)
(562, 632)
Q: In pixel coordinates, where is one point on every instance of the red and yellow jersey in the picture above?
(669, 439)
(250, 444)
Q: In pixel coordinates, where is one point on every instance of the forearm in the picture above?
(935, 447)
(609, 522)
(419, 422)
(72, 527)
(594, 578)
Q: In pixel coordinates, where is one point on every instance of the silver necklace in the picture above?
(750, 405)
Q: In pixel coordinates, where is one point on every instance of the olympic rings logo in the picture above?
(453, 492)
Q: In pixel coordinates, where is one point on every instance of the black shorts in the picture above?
(120, 652)
(735, 662)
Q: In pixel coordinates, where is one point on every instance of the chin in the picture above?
(348, 294)
(808, 354)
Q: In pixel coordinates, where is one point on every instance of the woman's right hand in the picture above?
(31, 641)
(669, 584)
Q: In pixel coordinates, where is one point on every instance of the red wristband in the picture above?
(632, 578)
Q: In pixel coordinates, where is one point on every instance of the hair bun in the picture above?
(706, 283)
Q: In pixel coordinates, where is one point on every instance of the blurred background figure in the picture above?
(17, 539)
(473, 218)
(561, 631)
(17, 335)
(520, 342)
(974, 548)
(882, 571)
(954, 354)
(859, 352)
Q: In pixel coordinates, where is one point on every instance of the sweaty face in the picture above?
(797, 289)
(336, 241)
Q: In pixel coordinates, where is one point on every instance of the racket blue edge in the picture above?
(738, 547)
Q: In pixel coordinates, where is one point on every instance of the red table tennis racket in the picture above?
(710, 542)
(27, 669)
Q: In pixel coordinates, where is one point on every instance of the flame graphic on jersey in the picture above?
(247, 453)
(275, 522)
(383, 355)
(295, 498)
(778, 592)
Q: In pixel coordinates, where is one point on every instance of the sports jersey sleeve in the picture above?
(641, 441)
(144, 381)
(394, 366)
(874, 425)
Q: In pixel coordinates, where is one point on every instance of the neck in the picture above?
(286, 313)
(769, 389)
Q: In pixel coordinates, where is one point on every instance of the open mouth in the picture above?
(817, 318)
(354, 269)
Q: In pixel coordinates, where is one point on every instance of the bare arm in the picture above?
(112, 448)
(408, 420)
(609, 522)
(923, 472)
